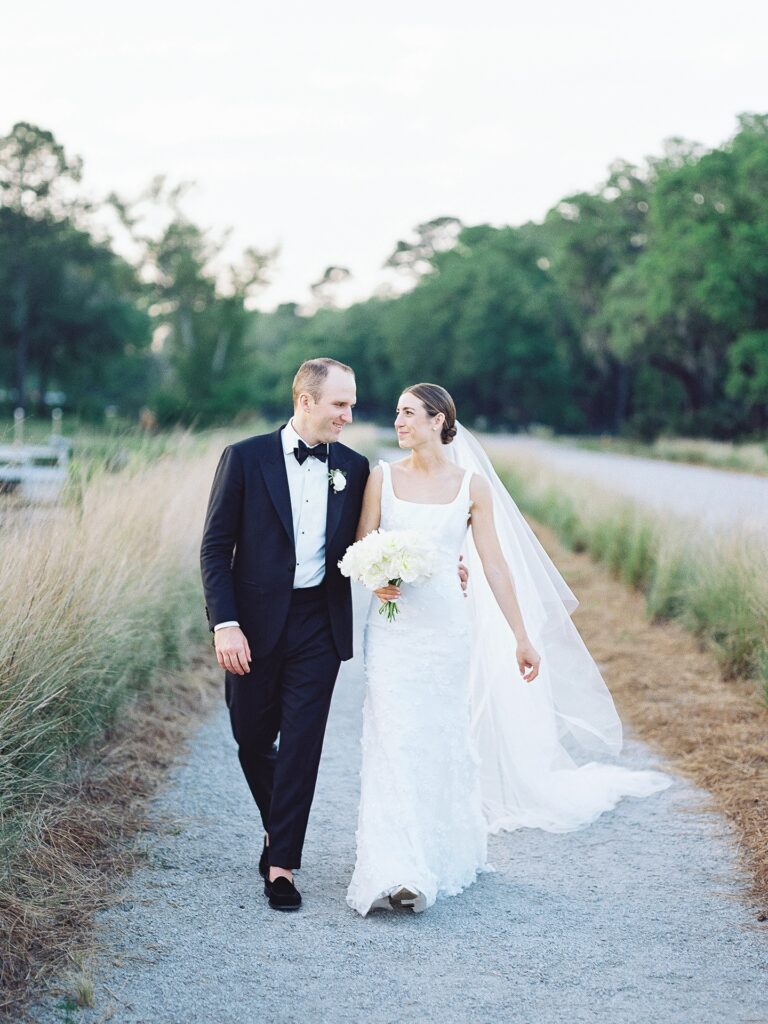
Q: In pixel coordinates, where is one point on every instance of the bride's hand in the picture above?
(528, 660)
(388, 593)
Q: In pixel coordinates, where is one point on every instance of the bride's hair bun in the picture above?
(436, 400)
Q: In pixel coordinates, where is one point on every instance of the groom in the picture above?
(283, 509)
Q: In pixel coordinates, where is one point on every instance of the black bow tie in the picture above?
(320, 451)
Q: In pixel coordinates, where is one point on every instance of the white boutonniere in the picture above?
(337, 479)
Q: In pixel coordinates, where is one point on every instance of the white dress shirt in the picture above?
(308, 488)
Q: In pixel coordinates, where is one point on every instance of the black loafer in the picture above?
(264, 861)
(283, 895)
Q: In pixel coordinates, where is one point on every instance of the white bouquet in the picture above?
(389, 556)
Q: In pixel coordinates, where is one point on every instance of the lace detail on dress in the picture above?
(424, 818)
(420, 821)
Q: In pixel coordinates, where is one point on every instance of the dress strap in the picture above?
(464, 489)
(387, 489)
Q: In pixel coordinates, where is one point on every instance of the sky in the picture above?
(329, 130)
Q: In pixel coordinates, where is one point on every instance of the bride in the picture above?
(478, 713)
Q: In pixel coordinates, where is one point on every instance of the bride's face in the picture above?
(413, 423)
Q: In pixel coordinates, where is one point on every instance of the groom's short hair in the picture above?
(311, 375)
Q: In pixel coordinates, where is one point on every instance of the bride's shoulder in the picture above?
(376, 476)
(479, 488)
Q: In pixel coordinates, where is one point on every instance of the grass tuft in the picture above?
(716, 587)
(100, 602)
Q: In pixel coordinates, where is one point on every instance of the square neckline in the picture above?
(425, 504)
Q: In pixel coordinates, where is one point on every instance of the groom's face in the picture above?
(326, 418)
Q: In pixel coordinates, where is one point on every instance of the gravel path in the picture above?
(714, 497)
(635, 918)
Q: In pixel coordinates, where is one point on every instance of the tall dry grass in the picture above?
(715, 584)
(100, 601)
(96, 598)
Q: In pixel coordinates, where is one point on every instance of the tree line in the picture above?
(640, 307)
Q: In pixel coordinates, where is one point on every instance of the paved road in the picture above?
(633, 918)
(714, 497)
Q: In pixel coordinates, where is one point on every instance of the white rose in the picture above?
(338, 480)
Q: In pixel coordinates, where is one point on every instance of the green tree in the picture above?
(704, 278)
(70, 309)
(198, 304)
(487, 322)
(588, 238)
(35, 192)
(323, 290)
(432, 237)
(747, 379)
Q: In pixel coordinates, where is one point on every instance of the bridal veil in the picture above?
(535, 740)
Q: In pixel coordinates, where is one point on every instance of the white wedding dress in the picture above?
(420, 820)
(455, 744)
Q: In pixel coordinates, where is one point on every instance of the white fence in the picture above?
(36, 472)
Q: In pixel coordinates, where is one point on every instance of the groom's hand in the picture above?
(463, 574)
(232, 650)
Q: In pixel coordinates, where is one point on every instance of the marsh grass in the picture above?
(81, 838)
(91, 600)
(99, 602)
(714, 585)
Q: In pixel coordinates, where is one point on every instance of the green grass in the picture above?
(716, 587)
(96, 604)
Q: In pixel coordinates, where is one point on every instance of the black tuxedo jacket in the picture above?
(248, 557)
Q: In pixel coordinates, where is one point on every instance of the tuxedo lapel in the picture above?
(336, 460)
(276, 479)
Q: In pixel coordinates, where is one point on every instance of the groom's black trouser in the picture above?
(287, 693)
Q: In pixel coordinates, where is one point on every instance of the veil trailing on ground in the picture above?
(534, 739)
